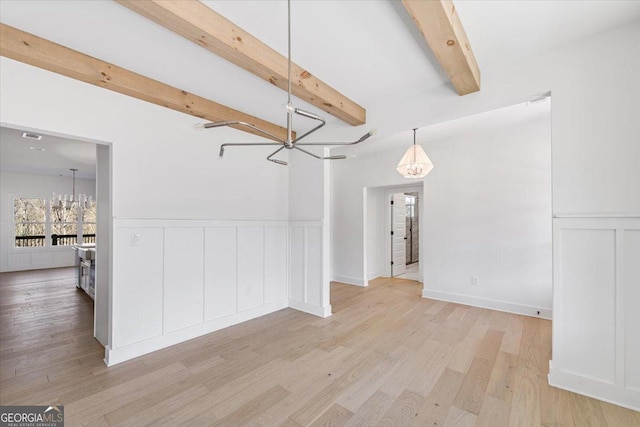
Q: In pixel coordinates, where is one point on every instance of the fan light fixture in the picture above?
(414, 163)
(289, 143)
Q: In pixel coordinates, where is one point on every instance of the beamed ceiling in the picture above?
(223, 60)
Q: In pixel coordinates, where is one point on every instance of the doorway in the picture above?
(405, 232)
(381, 248)
(71, 212)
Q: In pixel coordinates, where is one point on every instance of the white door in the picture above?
(398, 234)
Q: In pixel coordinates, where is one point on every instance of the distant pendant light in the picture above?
(61, 202)
(414, 163)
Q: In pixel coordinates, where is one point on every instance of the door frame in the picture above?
(389, 191)
(103, 302)
(384, 264)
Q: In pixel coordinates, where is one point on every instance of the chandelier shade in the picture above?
(415, 163)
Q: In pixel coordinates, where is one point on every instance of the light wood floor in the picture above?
(386, 357)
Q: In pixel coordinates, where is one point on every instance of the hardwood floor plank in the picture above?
(503, 377)
(371, 411)
(253, 408)
(474, 387)
(494, 413)
(436, 407)
(403, 411)
(335, 416)
(459, 418)
(385, 355)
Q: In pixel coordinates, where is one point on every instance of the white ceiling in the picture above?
(59, 155)
(368, 50)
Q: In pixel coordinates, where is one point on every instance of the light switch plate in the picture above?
(136, 239)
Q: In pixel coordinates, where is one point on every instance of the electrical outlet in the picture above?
(475, 281)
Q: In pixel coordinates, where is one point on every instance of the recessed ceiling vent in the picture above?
(538, 99)
(30, 135)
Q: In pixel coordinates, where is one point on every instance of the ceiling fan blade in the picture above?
(362, 138)
(280, 162)
(245, 144)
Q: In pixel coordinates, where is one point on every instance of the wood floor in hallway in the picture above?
(386, 357)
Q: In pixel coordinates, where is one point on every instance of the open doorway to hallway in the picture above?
(392, 233)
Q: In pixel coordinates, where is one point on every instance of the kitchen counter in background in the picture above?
(85, 264)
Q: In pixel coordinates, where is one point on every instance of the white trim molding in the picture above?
(349, 280)
(492, 304)
(596, 303)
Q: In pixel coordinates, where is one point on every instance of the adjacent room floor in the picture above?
(412, 273)
(385, 357)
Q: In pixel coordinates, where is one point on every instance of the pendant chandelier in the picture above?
(289, 143)
(414, 163)
(70, 201)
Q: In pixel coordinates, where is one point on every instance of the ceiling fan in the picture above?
(289, 143)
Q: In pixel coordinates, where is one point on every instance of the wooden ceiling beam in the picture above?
(440, 25)
(33, 50)
(205, 27)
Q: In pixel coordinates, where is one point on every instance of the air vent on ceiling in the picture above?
(30, 135)
(537, 99)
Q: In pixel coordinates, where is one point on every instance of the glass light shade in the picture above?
(414, 163)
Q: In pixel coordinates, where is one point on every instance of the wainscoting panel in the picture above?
(631, 301)
(596, 344)
(220, 275)
(183, 277)
(307, 283)
(20, 259)
(314, 266)
(250, 267)
(179, 279)
(275, 263)
(138, 280)
(298, 264)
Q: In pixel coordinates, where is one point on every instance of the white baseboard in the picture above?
(509, 307)
(613, 393)
(316, 310)
(374, 275)
(127, 352)
(349, 280)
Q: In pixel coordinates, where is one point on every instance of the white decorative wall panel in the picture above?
(138, 277)
(220, 293)
(596, 343)
(179, 279)
(314, 265)
(298, 264)
(183, 277)
(308, 284)
(275, 263)
(250, 267)
(631, 309)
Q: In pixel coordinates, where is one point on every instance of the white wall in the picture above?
(487, 210)
(376, 206)
(488, 215)
(161, 170)
(13, 185)
(595, 152)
